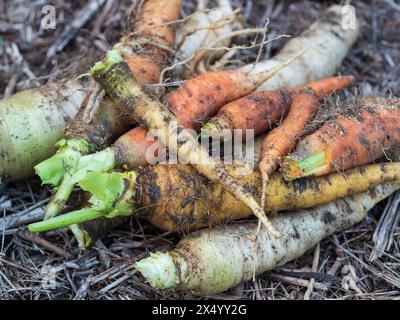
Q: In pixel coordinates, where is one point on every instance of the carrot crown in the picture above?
(112, 57)
(110, 198)
(53, 169)
(294, 167)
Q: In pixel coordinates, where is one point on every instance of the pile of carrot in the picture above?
(117, 151)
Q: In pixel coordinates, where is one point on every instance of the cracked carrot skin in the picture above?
(304, 106)
(362, 135)
(201, 264)
(177, 198)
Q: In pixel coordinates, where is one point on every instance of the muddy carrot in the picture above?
(177, 198)
(368, 129)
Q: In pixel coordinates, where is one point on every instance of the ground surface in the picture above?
(105, 272)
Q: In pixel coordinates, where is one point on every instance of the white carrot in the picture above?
(218, 259)
(32, 121)
(327, 42)
(202, 32)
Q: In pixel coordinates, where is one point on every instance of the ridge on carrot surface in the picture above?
(363, 134)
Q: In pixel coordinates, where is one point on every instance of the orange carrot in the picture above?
(201, 97)
(197, 100)
(282, 139)
(349, 140)
(131, 149)
(261, 110)
(258, 111)
(154, 39)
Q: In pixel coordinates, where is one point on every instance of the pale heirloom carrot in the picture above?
(261, 110)
(201, 33)
(31, 122)
(214, 260)
(327, 42)
(280, 141)
(147, 52)
(366, 132)
(177, 198)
